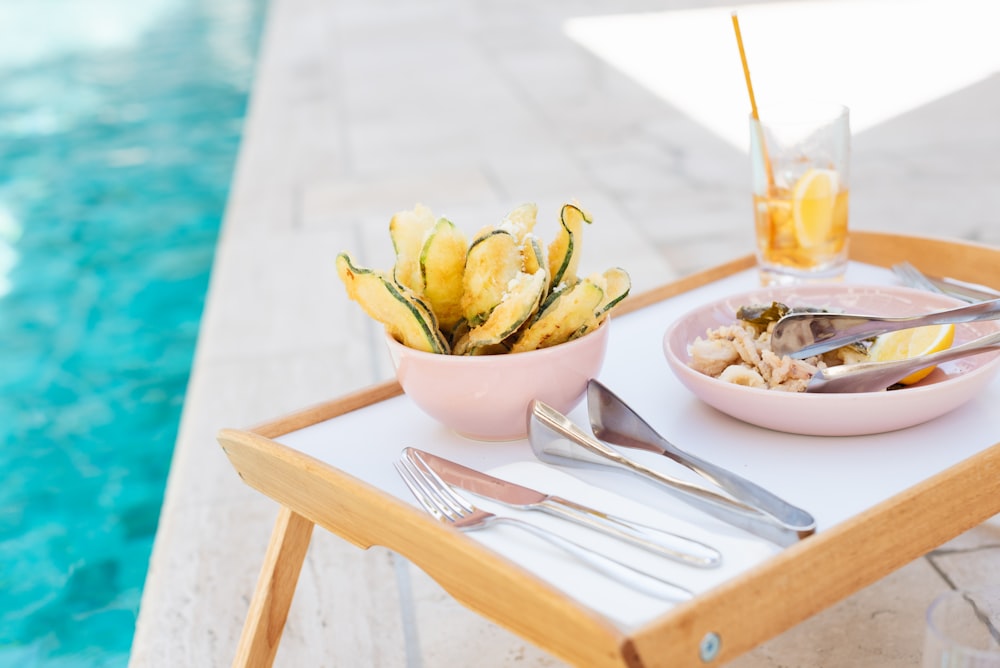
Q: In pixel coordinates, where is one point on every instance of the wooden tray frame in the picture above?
(795, 584)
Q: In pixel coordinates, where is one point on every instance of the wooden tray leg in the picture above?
(275, 588)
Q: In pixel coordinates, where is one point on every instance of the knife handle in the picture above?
(660, 542)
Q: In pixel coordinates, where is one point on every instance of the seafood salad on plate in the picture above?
(701, 344)
(741, 353)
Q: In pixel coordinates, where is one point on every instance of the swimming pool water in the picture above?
(119, 126)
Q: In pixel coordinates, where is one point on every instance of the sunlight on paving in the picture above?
(881, 58)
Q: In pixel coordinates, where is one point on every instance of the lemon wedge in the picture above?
(813, 200)
(908, 343)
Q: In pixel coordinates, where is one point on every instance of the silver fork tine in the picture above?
(913, 277)
(448, 494)
(967, 293)
(945, 286)
(410, 480)
(434, 493)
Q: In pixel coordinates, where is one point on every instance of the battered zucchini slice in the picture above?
(557, 291)
(564, 251)
(457, 333)
(405, 317)
(617, 286)
(442, 267)
(519, 304)
(563, 318)
(408, 231)
(533, 259)
(521, 221)
(492, 349)
(593, 321)
(494, 259)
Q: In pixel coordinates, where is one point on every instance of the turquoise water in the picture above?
(119, 126)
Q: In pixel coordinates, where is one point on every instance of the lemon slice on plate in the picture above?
(908, 343)
(813, 200)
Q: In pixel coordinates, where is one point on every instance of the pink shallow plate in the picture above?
(946, 388)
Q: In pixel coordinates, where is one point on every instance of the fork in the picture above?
(913, 277)
(448, 506)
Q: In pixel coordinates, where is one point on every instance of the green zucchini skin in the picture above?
(618, 284)
(405, 317)
(563, 319)
(514, 310)
(564, 251)
(493, 260)
(408, 231)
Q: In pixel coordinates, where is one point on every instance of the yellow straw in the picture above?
(746, 68)
(753, 101)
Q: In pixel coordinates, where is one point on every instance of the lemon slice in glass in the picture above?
(908, 343)
(813, 200)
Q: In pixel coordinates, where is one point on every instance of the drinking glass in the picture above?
(963, 630)
(799, 156)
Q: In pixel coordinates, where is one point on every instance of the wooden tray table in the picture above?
(868, 526)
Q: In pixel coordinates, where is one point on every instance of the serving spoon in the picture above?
(802, 335)
(614, 421)
(876, 376)
(556, 440)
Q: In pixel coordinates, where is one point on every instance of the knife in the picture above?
(657, 541)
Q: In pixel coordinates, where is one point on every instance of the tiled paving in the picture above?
(364, 108)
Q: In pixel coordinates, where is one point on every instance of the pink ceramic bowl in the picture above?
(486, 397)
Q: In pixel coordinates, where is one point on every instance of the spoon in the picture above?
(616, 422)
(876, 376)
(802, 335)
(555, 439)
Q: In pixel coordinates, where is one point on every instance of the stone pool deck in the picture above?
(361, 109)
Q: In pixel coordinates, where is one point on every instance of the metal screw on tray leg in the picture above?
(709, 647)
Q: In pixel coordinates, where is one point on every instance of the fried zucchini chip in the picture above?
(494, 259)
(617, 286)
(408, 231)
(464, 349)
(521, 221)
(442, 268)
(615, 283)
(533, 259)
(405, 317)
(564, 251)
(557, 291)
(521, 301)
(562, 319)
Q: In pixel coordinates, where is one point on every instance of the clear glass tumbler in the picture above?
(963, 630)
(799, 157)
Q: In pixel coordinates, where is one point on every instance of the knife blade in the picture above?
(664, 543)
